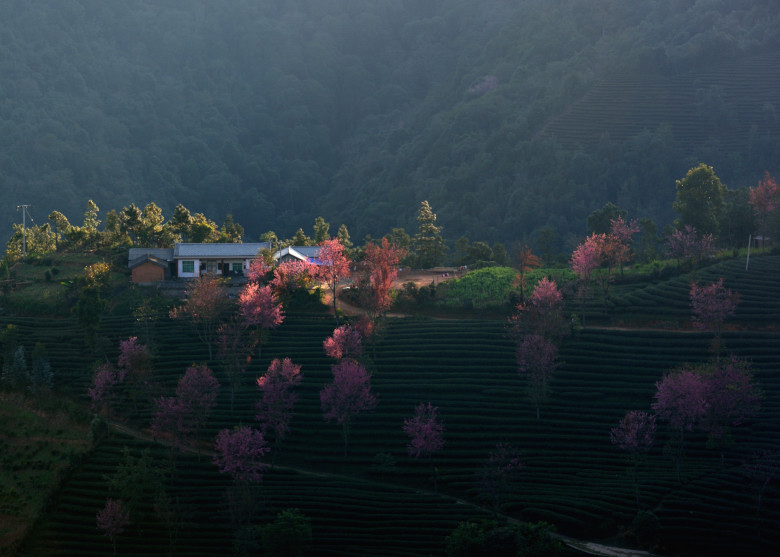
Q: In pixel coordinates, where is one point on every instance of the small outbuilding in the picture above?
(150, 265)
(298, 253)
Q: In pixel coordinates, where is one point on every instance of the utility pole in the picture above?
(24, 226)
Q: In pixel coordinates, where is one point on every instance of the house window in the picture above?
(187, 266)
(238, 268)
(211, 267)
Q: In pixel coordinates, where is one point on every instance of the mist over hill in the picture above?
(507, 116)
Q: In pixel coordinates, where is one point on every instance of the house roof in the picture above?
(219, 251)
(146, 258)
(164, 254)
(304, 253)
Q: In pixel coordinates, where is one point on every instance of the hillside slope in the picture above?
(276, 112)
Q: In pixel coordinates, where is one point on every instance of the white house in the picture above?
(193, 260)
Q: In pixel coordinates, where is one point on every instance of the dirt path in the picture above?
(589, 548)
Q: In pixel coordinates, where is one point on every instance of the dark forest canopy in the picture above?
(507, 116)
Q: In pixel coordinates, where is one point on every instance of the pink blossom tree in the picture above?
(680, 400)
(585, 259)
(688, 245)
(499, 474)
(135, 368)
(259, 307)
(542, 314)
(537, 361)
(710, 306)
(112, 520)
(239, 452)
(426, 434)
(235, 351)
(635, 435)
(620, 238)
(765, 198)
(181, 417)
(382, 263)
(206, 303)
(526, 261)
(258, 270)
(425, 431)
(732, 398)
(102, 393)
(275, 408)
(334, 266)
(347, 396)
(290, 276)
(345, 342)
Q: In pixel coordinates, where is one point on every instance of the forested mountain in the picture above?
(507, 115)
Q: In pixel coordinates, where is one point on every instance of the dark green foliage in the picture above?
(599, 221)
(699, 200)
(288, 535)
(507, 117)
(647, 529)
(137, 481)
(493, 539)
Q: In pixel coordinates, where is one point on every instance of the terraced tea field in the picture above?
(573, 477)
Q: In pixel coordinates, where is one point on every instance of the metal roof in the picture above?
(219, 251)
(300, 252)
(146, 258)
(156, 253)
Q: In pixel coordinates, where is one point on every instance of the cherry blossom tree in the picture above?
(275, 408)
(112, 520)
(425, 431)
(542, 314)
(258, 270)
(537, 361)
(102, 393)
(426, 434)
(260, 307)
(635, 435)
(688, 245)
(235, 350)
(710, 306)
(290, 276)
(334, 265)
(499, 474)
(347, 396)
(732, 397)
(345, 342)
(135, 367)
(765, 198)
(382, 264)
(181, 417)
(584, 260)
(620, 238)
(239, 452)
(680, 400)
(526, 261)
(206, 303)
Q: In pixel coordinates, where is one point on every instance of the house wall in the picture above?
(200, 265)
(181, 273)
(147, 272)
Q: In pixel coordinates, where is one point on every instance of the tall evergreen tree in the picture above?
(428, 242)
(321, 229)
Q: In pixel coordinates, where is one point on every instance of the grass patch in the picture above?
(36, 450)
